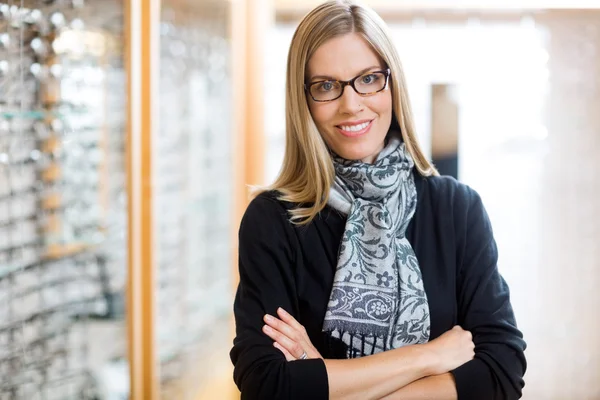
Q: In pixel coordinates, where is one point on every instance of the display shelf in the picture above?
(57, 142)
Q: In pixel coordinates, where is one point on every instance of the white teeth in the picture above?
(355, 128)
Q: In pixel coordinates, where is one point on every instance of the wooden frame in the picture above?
(141, 52)
(250, 20)
(142, 18)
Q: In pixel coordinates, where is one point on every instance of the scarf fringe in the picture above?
(361, 344)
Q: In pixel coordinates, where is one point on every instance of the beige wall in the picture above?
(419, 5)
(557, 295)
(564, 351)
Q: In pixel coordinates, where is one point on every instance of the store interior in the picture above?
(132, 132)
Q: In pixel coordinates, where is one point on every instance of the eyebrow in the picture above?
(333, 79)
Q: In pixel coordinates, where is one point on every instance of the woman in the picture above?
(363, 274)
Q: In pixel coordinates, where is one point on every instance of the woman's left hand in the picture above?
(289, 335)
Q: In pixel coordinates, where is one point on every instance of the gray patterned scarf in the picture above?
(377, 301)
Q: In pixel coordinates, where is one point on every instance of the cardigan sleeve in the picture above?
(485, 310)
(266, 267)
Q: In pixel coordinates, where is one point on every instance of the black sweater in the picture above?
(282, 265)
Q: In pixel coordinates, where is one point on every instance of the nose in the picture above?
(350, 101)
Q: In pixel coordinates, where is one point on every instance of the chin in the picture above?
(359, 148)
(356, 152)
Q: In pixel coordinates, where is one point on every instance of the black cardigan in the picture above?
(282, 265)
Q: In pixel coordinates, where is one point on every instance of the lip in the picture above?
(353, 123)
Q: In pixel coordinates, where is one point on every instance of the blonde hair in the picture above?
(307, 172)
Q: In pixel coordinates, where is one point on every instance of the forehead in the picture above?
(342, 57)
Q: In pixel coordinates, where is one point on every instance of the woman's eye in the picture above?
(326, 86)
(368, 79)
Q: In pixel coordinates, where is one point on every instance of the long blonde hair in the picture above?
(307, 172)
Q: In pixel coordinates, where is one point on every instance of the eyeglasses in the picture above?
(365, 85)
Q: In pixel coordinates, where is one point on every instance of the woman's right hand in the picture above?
(451, 350)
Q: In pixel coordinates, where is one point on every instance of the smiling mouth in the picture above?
(354, 130)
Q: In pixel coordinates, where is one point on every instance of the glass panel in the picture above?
(193, 200)
(62, 200)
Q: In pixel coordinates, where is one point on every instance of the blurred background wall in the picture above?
(510, 95)
(129, 131)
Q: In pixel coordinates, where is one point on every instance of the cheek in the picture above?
(322, 114)
(382, 105)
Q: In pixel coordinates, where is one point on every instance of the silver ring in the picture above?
(304, 356)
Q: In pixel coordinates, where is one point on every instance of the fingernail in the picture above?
(267, 329)
(281, 310)
(268, 318)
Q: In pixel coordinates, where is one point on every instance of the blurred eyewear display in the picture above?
(59, 141)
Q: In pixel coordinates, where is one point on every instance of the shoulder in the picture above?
(268, 210)
(266, 213)
(448, 203)
(266, 226)
(455, 211)
(446, 192)
(267, 204)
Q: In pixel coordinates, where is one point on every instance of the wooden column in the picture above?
(141, 33)
(258, 16)
(250, 22)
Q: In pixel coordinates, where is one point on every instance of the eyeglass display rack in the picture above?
(193, 191)
(62, 205)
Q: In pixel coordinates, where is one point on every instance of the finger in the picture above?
(286, 353)
(290, 345)
(287, 317)
(284, 328)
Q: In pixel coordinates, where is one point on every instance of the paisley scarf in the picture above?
(378, 301)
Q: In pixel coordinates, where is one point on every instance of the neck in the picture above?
(370, 159)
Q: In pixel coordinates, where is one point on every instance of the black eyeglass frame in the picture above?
(386, 72)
